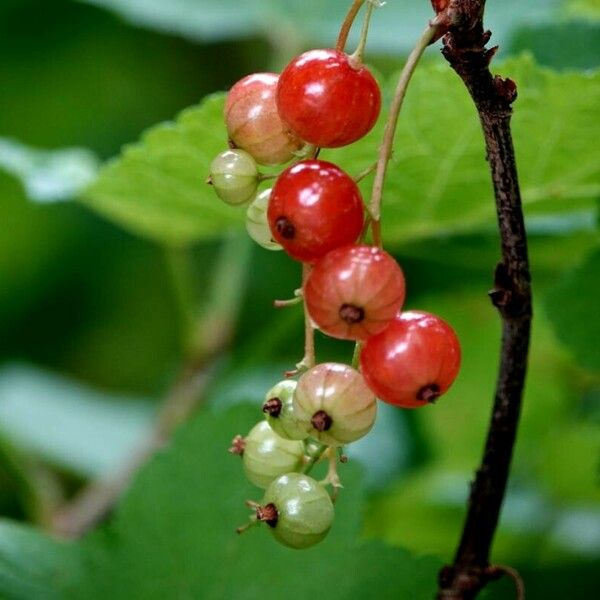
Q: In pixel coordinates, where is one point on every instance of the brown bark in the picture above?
(464, 48)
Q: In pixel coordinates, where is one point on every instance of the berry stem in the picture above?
(385, 152)
(356, 355)
(365, 173)
(314, 458)
(286, 303)
(347, 25)
(356, 59)
(309, 333)
(332, 478)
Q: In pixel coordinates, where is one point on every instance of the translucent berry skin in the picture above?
(304, 510)
(257, 225)
(267, 456)
(413, 361)
(234, 176)
(326, 100)
(253, 122)
(314, 208)
(279, 407)
(354, 292)
(335, 404)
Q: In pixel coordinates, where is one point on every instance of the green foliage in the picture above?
(586, 8)
(82, 297)
(157, 188)
(69, 424)
(575, 44)
(33, 566)
(173, 536)
(277, 19)
(48, 175)
(573, 308)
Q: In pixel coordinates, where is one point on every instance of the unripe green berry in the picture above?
(257, 224)
(267, 456)
(234, 176)
(333, 401)
(298, 510)
(279, 408)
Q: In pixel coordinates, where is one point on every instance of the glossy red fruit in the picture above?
(354, 292)
(413, 361)
(327, 100)
(253, 122)
(315, 207)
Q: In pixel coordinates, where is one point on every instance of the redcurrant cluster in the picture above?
(351, 290)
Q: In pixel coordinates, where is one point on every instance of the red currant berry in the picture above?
(327, 100)
(253, 122)
(314, 208)
(413, 361)
(353, 292)
(334, 405)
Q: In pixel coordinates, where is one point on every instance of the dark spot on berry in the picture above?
(268, 514)
(272, 407)
(231, 144)
(429, 393)
(285, 228)
(321, 421)
(351, 314)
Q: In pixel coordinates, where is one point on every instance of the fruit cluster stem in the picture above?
(464, 48)
(387, 145)
(309, 360)
(347, 25)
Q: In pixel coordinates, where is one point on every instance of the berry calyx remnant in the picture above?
(279, 408)
(266, 455)
(413, 361)
(354, 292)
(334, 403)
(253, 121)
(297, 509)
(234, 176)
(314, 208)
(327, 99)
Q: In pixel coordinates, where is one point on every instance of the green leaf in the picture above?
(158, 187)
(173, 537)
(223, 19)
(583, 8)
(438, 183)
(48, 175)
(572, 306)
(69, 424)
(32, 565)
(564, 45)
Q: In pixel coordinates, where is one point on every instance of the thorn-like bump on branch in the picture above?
(489, 54)
(506, 88)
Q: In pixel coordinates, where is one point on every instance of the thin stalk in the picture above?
(179, 265)
(314, 459)
(347, 25)
(385, 151)
(356, 355)
(358, 54)
(309, 332)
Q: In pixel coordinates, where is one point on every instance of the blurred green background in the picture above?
(96, 300)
